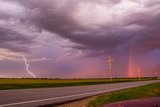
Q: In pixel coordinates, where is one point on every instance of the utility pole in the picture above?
(109, 63)
(139, 73)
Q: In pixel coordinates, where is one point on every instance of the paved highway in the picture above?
(43, 96)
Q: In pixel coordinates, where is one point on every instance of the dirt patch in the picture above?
(146, 102)
(81, 103)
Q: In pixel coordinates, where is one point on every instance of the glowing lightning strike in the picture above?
(27, 65)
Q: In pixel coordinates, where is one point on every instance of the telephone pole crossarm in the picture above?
(109, 63)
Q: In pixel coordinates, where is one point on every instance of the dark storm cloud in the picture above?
(84, 28)
(55, 16)
(14, 41)
(148, 38)
(3, 15)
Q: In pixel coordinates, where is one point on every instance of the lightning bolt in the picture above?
(27, 65)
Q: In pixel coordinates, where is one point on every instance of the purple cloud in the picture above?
(66, 30)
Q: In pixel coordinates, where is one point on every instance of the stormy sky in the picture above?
(73, 38)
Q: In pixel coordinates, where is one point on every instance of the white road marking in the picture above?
(82, 94)
(48, 99)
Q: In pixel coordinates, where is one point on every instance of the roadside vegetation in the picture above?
(24, 83)
(150, 90)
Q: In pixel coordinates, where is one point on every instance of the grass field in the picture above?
(150, 90)
(44, 83)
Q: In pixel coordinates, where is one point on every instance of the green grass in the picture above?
(150, 90)
(45, 83)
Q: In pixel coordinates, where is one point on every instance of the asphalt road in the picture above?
(43, 96)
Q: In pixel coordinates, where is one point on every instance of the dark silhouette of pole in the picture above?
(109, 63)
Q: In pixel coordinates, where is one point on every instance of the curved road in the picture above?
(43, 96)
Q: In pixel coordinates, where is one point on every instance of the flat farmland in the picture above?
(25, 83)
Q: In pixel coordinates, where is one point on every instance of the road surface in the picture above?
(43, 96)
